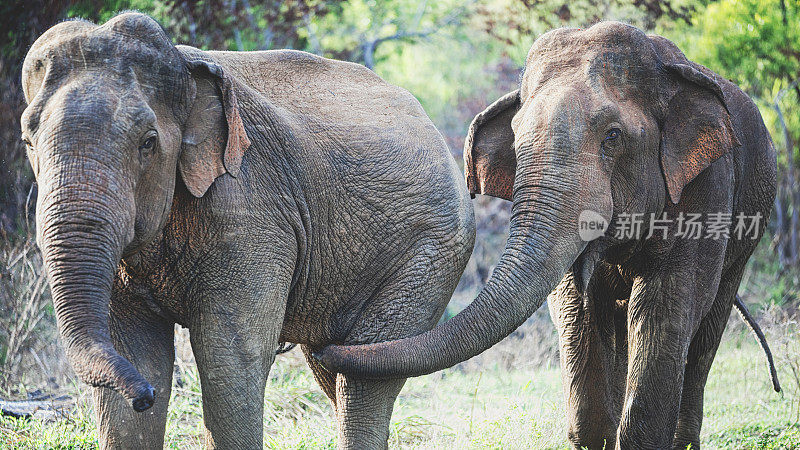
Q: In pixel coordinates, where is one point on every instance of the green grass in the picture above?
(487, 407)
(76, 432)
(741, 409)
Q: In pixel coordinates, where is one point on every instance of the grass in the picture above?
(76, 432)
(486, 405)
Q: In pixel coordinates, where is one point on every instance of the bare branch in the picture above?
(793, 194)
(369, 46)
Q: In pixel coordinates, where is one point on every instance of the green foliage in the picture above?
(779, 436)
(101, 10)
(360, 22)
(756, 44)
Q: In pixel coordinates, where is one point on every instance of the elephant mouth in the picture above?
(586, 262)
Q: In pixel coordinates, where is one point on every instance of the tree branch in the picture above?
(369, 46)
(794, 198)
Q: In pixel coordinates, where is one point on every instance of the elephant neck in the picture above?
(156, 272)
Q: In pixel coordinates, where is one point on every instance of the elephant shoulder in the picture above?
(342, 107)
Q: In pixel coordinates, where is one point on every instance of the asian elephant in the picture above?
(610, 125)
(252, 197)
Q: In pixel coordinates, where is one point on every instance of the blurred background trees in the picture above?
(456, 57)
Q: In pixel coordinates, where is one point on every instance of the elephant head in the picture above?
(607, 121)
(114, 113)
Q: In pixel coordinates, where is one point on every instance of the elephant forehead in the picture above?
(621, 70)
(613, 57)
(107, 64)
(112, 52)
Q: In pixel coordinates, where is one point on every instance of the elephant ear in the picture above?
(214, 138)
(489, 159)
(697, 128)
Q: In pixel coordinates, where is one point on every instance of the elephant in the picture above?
(609, 124)
(254, 198)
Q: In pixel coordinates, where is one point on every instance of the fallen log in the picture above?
(40, 407)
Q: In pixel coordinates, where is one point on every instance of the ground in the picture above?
(506, 398)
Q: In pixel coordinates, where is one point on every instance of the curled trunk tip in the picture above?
(144, 399)
(100, 365)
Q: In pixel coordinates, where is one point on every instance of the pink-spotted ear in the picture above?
(697, 127)
(214, 138)
(490, 161)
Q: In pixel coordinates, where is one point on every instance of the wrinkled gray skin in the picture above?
(254, 198)
(610, 120)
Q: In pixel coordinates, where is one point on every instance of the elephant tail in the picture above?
(753, 325)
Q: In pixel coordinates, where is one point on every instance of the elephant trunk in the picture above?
(538, 252)
(82, 242)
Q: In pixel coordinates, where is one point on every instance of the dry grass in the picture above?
(484, 403)
(30, 354)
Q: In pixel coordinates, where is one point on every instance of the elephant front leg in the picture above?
(234, 337)
(147, 342)
(233, 365)
(592, 349)
(659, 331)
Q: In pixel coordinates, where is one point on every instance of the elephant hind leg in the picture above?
(326, 380)
(407, 303)
(364, 411)
(699, 359)
(363, 407)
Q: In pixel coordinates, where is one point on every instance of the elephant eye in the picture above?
(28, 144)
(613, 134)
(147, 147)
(148, 143)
